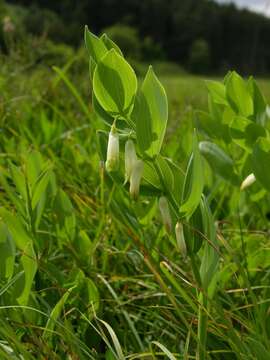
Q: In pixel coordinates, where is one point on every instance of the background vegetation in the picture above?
(187, 32)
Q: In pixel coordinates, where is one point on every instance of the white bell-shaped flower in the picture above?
(180, 238)
(112, 162)
(130, 159)
(165, 213)
(249, 180)
(135, 179)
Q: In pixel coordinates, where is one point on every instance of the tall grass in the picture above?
(100, 288)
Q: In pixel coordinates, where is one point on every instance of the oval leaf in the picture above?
(194, 183)
(150, 115)
(261, 161)
(219, 161)
(114, 84)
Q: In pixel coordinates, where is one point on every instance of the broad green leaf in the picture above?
(110, 44)
(115, 84)
(28, 258)
(219, 161)
(93, 299)
(193, 230)
(210, 256)
(238, 95)
(217, 92)
(7, 253)
(261, 162)
(19, 180)
(150, 115)
(20, 205)
(209, 125)
(179, 178)
(92, 67)
(100, 112)
(94, 45)
(258, 101)
(40, 187)
(245, 132)
(66, 219)
(150, 175)
(34, 166)
(194, 182)
(166, 173)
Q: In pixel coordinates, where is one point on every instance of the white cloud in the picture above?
(260, 6)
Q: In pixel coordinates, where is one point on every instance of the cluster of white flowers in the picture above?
(133, 165)
(133, 174)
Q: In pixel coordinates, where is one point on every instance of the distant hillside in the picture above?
(187, 30)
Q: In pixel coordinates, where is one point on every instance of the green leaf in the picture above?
(194, 182)
(100, 112)
(40, 187)
(115, 84)
(19, 180)
(219, 161)
(238, 95)
(261, 161)
(245, 132)
(166, 173)
(164, 350)
(28, 258)
(7, 253)
(55, 313)
(110, 44)
(217, 91)
(115, 341)
(258, 101)
(194, 230)
(150, 175)
(92, 67)
(210, 256)
(150, 115)
(66, 219)
(209, 125)
(95, 46)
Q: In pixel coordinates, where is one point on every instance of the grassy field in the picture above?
(92, 290)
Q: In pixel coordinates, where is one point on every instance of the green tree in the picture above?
(199, 56)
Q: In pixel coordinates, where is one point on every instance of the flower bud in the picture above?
(165, 213)
(180, 238)
(130, 159)
(249, 180)
(135, 179)
(112, 161)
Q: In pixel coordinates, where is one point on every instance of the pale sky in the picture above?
(261, 6)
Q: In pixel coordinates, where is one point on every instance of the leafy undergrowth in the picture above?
(77, 280)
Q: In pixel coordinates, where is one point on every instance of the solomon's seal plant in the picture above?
(132, 126)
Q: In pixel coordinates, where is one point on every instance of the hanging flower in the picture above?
(130, 159)
(180, 238)
(249, 180)
(112, 162)
(135, 179)
(165, 213)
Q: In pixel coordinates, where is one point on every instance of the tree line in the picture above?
(200, 34)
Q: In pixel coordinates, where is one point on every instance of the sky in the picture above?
(261, 6)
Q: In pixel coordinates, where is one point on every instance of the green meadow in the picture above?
(87, 273)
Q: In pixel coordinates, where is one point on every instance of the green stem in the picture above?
(202, 327)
